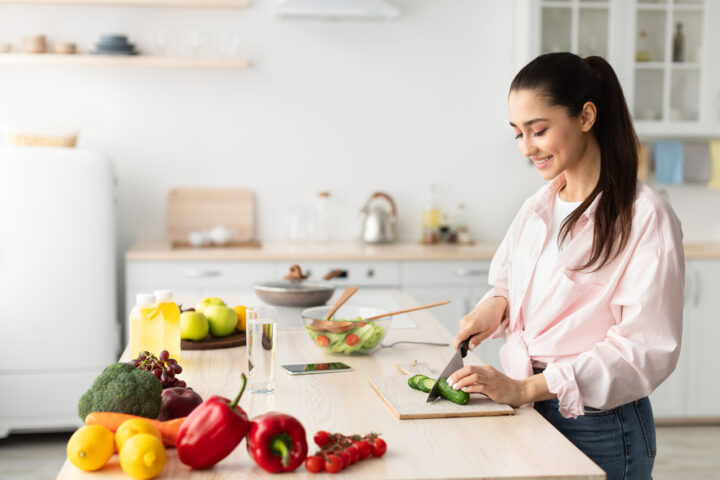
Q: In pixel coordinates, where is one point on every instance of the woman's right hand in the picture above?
(481, 322)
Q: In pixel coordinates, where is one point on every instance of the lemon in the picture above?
(242, 316)
(142, 456)
(131, 427)
(90, 447)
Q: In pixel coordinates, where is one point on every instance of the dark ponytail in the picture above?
(564, 79)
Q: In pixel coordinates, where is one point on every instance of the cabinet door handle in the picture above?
(696, 284)
(469, 272)
(196, 273)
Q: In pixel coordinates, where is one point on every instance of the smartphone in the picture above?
(307, 368)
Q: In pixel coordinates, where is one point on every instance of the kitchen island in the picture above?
(523, 445)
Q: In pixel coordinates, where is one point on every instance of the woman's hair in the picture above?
(567, 80)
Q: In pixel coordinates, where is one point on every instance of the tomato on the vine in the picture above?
(364, 448)
(345, 456)
(314, 463)
(321, 438)
(352, 339)
(333, 463)
(379, 447)
(354, 453)
(322, 340)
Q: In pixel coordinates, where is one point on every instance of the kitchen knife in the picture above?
(455, 363)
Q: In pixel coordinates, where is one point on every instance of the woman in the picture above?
(588, 281)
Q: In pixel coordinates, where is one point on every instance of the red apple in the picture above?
(178, 402)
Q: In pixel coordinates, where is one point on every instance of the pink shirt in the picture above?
(607, 337)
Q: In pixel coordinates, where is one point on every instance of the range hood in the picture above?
(338, 8)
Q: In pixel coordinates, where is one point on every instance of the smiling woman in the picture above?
(588, 281)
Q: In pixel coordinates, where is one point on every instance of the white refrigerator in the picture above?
(58, 313)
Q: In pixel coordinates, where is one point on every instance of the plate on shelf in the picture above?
(235, 339)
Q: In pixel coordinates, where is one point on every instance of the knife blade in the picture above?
(455, 363)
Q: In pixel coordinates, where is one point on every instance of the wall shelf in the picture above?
(142, 61)
(647, 129)
(140, 3)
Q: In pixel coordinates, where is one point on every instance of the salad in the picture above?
(360, 339)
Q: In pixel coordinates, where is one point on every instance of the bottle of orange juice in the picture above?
(170, 313)
(146, 328)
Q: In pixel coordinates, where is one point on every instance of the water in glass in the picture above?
(261, 340)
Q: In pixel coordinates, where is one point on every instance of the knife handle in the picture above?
(463, 347)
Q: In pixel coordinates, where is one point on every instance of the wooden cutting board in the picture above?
(407, 403)
(193, 209)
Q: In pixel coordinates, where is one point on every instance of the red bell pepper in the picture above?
(212, 430)
(276, 442)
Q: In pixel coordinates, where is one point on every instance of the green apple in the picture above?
(193, 326)
(206, 302)
(222, 320)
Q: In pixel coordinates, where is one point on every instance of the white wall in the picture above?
(348, 106)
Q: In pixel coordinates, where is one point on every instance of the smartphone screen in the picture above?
(306, 368)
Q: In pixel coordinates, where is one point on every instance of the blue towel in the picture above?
(668, 162)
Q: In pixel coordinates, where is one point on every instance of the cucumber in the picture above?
(448, 393)
(426, 384)
(421, 382)
(412, 381)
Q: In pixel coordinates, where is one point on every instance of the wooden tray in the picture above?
(193, 209)
(235, 339)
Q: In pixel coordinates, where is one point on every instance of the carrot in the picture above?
(112, 420)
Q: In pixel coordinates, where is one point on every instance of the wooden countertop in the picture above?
(347, 251)
(344, 251)
(515, 446)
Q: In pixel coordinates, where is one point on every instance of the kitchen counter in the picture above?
(523, 445)
(346, 251)
(283, 251)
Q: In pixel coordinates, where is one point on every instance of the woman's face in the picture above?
(552, 139)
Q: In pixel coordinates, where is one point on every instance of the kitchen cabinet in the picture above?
(667, 96)
(693, 389)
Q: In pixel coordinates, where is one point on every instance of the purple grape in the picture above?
(170, 370)
(181, 384)
(178, 370)
(165, 378)
(164, 355)
(157, 372)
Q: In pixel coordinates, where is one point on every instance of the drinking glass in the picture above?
(261, 331)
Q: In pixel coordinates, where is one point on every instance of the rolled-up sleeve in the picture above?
(641, 350)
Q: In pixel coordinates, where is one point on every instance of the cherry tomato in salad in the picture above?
(352, 339)
(321, 438)
(314, 463)
(379, 447)
(323, 341)
(364, 448)
(333, 463)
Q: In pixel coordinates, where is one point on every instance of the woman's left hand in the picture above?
(484, 379)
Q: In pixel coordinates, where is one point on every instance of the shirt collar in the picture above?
(544, 203)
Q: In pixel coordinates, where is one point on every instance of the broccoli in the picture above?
(125, 389)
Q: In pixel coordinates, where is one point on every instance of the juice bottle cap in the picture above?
(145, 299)
(162, 295)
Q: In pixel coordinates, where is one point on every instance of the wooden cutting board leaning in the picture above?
(407, 403)
(195, 209)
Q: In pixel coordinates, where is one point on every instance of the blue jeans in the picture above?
(620, 440)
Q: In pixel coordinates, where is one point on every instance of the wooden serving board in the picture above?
(194, 209)
(235, 339)
(408, 403)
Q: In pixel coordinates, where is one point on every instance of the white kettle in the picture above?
(378, 225)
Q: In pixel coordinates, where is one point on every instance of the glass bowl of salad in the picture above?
(346, 333)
